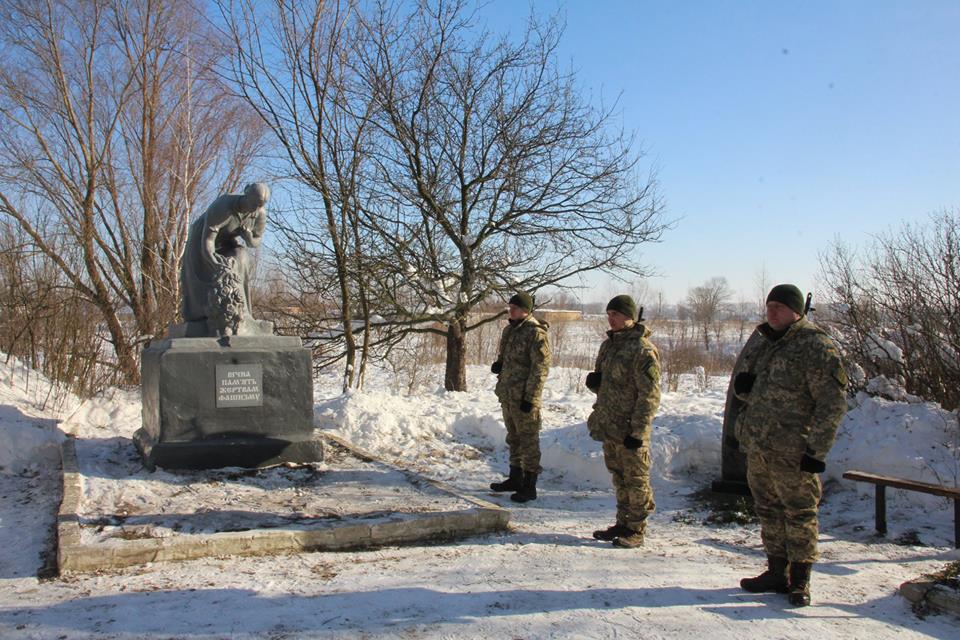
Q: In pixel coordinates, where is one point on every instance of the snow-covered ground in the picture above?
(546, 578)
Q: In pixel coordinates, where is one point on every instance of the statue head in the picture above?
(255, 195)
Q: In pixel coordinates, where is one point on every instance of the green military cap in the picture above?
(523, 300)
(623, 304)
(789, 295)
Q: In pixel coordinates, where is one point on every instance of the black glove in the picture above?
(632, 443)
(744, 382)
(496, 367)
(732, 443)
(811, 465)
(593, 380)
(526, 406)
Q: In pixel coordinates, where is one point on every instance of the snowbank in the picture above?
(29, 407)
(27, 444)
(915, 440)
(431, 428)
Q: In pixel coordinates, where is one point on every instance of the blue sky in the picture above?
(775, 127)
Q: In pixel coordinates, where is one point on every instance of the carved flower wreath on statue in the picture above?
(225, 304)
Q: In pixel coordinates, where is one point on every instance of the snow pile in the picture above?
(35, 415)
(29, 407)
(436, 431)
(401, 424)
(687, 434)
(433, 433)
(890, 389)
(879, 348)
(27, 444)
(113, 413)
(915, 440)
(571, 457)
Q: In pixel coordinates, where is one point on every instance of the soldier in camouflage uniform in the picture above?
(626, 379)
(792, 384)
(523, 360)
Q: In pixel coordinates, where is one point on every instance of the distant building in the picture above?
(554, 316)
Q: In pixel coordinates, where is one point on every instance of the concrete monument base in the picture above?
(351, 500)
(244, 401)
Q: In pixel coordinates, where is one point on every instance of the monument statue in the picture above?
(221, 389)
(218, 264)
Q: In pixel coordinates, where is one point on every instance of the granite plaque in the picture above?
(239, 385)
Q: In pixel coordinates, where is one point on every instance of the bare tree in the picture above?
(291, 61)
(115, 129)
(744, 314)
(641, 293)
(761, 281)
(895, 308)
(489, 172)
(706, 302)
(43, 322)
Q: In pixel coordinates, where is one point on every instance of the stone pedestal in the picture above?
(244, 401)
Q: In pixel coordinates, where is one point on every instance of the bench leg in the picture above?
(956, 523)
(881, 509)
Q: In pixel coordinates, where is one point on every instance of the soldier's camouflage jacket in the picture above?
(525, 355)
(798, 398)
(629, 392)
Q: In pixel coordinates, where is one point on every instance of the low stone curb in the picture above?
(75, 556)
(923, 591)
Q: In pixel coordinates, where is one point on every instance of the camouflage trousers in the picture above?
(523, 437)
(786, 500)
(630, 472)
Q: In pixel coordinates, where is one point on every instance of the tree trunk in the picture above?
(455, 378)
(343, 280)
(128, 361)
(350, 342)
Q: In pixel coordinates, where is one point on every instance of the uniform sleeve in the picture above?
(648, 393)
(539, 367)
(503, 339)
(827, 383)
(600, 354)
(748, 355)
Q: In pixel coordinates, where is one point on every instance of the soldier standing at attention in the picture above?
(522, 363)
(792, 384)
(626, 379)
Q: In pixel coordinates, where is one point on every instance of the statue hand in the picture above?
(247, 235)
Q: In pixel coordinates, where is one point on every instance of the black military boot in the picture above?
(773, 579)
(528, 488)
(611, 532)
(510, 484)
(630, 540)
(800, 583)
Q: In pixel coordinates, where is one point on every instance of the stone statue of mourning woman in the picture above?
(219, 263)
(220, 389)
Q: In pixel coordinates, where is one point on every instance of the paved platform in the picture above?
(114, 513)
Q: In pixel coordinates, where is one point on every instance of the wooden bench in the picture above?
(882, 482)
